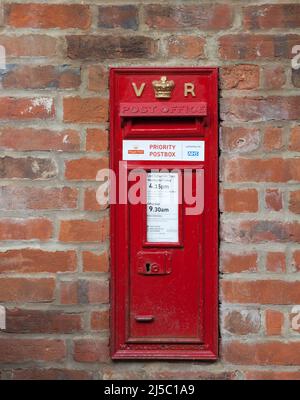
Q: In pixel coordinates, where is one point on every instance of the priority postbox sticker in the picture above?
(163, 150)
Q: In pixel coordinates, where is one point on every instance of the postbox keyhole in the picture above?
(148, 267)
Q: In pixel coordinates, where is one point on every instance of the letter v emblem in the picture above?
(138, 91)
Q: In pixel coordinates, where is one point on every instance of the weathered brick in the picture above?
(272, 375)
(261, 291)
(204, 16)
(254, 47)
(84, 230)
(259, 231)
(294, 202)
(25, 229)
(94, 47)
(91, 350)
(294, 143)
(262, 170)
(51, 374)
(30, 139)
(12, 108)
(89, 110)
(240, 77)
(189, 47)
(296, 77)
(38, 321)
(47, 16)
(27, 290)
(274, 77)
(26, 350)
(37, 260)
(268, 16)
(85, 168)
(296, 260)
(243, 322)
(96, 140)
(273, 199)
(36, 198)
(100, 320)
(95, 262)
(235, 262)
(27, 168)
(29, 45)
(265, 353)
(273, 139)
(274, 322)
(84, 291)
(239, 139)
(240, 200)
(239, 109)
(40, 77)
(91, 203)
(122, 16)
(275, 262)
(97, 78)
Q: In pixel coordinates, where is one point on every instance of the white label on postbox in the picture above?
(163, 150)
(162, 207)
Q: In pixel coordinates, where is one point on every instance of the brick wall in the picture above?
(54, 238)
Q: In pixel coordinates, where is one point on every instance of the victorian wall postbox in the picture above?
(164, 138)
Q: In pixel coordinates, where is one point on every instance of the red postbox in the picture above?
(164, 239)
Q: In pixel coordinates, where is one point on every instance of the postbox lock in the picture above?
(154, 263)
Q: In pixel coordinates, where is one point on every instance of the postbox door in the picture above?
(165, 299)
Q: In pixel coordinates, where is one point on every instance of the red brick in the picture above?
(26, 350)
(100, 320)
(258, 231)
(267, 353)
(244, 109)
(99, 47)
(275, 262)
(69, 292)
(85, 168)
(38, 321)
(88, 110)
(240, 77)
(84, 292)
(274, 322)
(95, 262)
(274, 77)
(242, 322)
(25, 229)
(48, 16)
(113, 372)
(272, 138)
(240, 200)
(25, 108)
(24, 139)
(296, 78)
(296, 260)
(273, 199)
(272, 375)
(51, 374)
(41, 77)
(262, 170)
(189, 47)
(254, 47)
(96, 140)
(231, 262)
(90, 201)
(27, 290)
(294, 144)
(37, 260)
(84, 230)
(270, 16)
(97, 78)
(27, 168)
(204, 16)
(261, 291)
(240, 139)
(123, 16)
(37, 198)
(30, 45)
(181, 374)
(91, 350)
